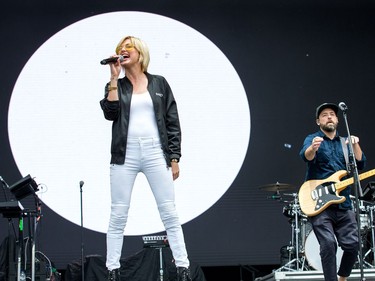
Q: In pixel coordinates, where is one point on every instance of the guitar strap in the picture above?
(345, 150)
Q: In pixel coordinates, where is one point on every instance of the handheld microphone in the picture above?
(343, 106)
(111, 60)
(81, 183)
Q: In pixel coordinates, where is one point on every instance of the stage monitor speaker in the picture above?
(24, 187)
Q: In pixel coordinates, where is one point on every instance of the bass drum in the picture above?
(312, 250)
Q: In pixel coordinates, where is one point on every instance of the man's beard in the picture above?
(330, 127)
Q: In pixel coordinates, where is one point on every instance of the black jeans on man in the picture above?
(334, 223)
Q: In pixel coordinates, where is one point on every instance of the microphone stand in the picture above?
(33, 233)
(81, 183)
(352, 166)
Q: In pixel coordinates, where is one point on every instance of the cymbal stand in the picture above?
(298, 261)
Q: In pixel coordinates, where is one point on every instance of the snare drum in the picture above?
(312, 249)
(291, 209)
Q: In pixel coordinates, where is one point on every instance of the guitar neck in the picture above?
(342, 184)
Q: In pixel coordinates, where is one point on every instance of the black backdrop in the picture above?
(290, 55)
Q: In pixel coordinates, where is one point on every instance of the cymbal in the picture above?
(277, 187)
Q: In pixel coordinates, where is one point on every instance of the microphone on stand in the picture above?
(81, 183)
(352, 167)
(343, 106)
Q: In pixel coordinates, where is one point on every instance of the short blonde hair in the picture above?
(141, 47)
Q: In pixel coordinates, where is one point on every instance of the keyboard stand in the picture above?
(158, 243)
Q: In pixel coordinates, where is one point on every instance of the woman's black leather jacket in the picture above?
(166, 115)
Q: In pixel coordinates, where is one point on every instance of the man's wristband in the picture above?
(174, 160)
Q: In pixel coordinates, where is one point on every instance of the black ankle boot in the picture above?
(183, 274)
(114, 275)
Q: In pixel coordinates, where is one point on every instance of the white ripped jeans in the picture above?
(143, 155)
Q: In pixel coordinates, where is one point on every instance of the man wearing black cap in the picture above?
(325, 153)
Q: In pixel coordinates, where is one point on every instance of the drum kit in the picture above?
(302, 252)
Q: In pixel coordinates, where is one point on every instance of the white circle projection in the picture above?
(59, 136)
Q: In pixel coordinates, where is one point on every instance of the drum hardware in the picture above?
(367, 225)
(297, 260)
(291, 208)
(276, 196)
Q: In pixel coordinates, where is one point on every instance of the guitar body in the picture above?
(317, 195)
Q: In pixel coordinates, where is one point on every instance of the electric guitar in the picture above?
(317, 195)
